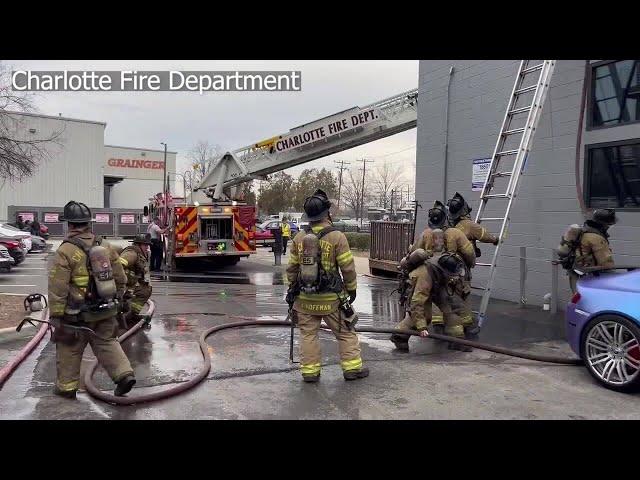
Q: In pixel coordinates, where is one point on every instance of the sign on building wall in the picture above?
(51, 217)
(132, 163)
(127, 218)
(26, 216)
(102, 218)
(480, 172)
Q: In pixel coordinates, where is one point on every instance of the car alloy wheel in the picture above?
(611, 351)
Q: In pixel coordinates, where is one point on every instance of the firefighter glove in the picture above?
(61, 334)
(496, 241)
(55, 322)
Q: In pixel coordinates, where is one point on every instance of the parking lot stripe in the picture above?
(23, 275)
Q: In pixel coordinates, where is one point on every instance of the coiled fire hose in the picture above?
(248, 322)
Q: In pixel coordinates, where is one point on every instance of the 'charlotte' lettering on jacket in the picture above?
(128, 163)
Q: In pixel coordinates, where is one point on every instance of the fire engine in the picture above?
(212, 233)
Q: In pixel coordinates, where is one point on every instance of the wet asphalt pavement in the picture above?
(252, 378)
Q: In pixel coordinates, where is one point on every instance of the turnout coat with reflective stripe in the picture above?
(136, 265)
(336, 253)
(69, 278)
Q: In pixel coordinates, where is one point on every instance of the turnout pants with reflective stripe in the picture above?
(444, 305)
(461, 305)
(70, 346)
(141, 294)
(310, 355)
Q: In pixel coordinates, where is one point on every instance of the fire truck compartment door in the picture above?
(216, 234)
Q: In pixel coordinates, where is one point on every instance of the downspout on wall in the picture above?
(583, 102)
(446, 138)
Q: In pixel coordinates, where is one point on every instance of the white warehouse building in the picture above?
(82, 168)
(574, 163)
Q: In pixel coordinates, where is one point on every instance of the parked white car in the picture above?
(10, 231)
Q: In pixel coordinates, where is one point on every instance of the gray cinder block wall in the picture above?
(477, 93)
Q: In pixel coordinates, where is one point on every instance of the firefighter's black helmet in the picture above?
(605, 216)
(316, 207)
(144, 238)
(457, 206)
(451, 264)
(76, 212)
(437, 215)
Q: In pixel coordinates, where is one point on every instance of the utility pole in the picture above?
(364, 171)
(341, 168)
(165, 180)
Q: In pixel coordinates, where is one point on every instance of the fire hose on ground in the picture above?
(248, 322)
(204, 349)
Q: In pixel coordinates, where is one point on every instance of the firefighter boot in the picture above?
(356, 374)
(472, 332)
(460, 347)
(438, 328)
(311, 378)
(124, 386)
(68, 394)
(400, 341)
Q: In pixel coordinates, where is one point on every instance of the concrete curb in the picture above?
(8, 329)
(6, 332)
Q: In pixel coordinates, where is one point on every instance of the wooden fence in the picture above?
(389, 243)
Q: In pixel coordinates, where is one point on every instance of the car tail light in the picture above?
(576, 298)
(12, 244)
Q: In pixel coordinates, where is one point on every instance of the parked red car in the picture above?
(263, 236)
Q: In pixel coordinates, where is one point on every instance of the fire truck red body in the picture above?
(218, 233)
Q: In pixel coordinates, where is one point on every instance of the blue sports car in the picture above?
(603, 325)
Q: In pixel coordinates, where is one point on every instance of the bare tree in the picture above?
(21, 152)
(201, 158)
(385, 179)
(353, 195)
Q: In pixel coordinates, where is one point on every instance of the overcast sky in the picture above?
(237, 119)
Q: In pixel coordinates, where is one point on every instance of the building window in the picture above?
(615, 91)
(613, 175)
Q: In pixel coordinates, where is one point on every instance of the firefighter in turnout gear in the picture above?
(135, 260)
(592, 247)
(434, 279)
(86, 284)
(460, 218)
(455, 241)
(317, 291)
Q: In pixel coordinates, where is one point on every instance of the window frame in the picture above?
(591, 100)
(586, 183)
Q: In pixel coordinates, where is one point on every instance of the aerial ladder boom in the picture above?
(305, 143)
